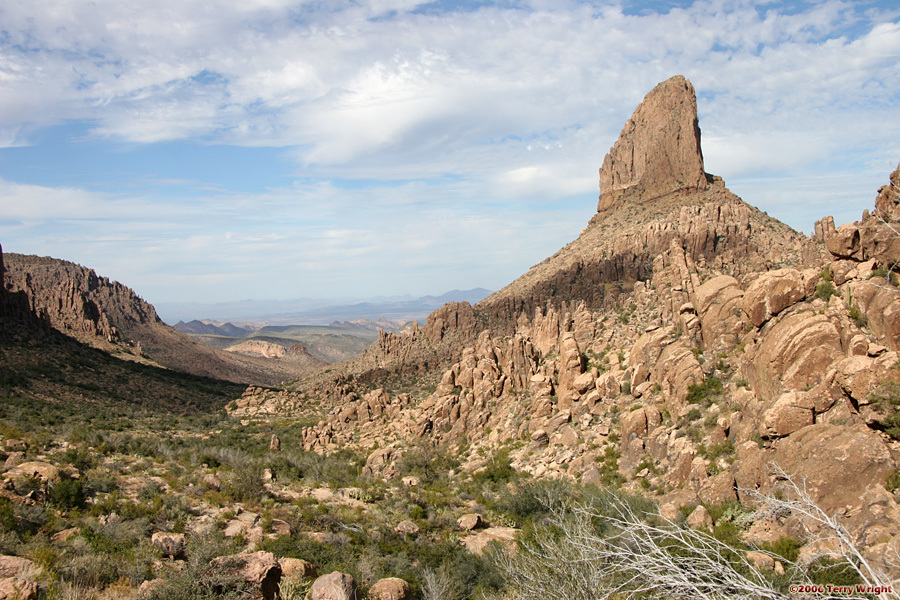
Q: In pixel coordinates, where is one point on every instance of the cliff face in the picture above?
(682, 344)
(75, 300)
(108, 315)
(658, 151)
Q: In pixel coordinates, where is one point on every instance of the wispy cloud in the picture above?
(453, 144)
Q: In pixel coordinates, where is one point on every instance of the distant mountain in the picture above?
(208, 328)
(304, 311)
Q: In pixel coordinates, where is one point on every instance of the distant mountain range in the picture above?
(306, 311)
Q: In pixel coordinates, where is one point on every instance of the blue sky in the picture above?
(210, 152)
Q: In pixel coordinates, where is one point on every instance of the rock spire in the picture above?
(658, 151)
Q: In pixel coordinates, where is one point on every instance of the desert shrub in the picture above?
(786, 547)
(534, 499)
(89, 570)
(715, 451)
(67, 494)
(244, 482)
(428, 462)
(825, 290)
(609, 467)
(892, 481)
(711, 390)
(886, 398)
(498, 470)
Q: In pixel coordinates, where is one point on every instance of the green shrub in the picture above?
(67, 494)
(825, 290)
(886, 399)
(892, 481)
(498, 470)
(705, 393)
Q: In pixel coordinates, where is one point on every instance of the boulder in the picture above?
(761, 561)
(42, 471)
(17, 566)
(260, 569)
(718, 301)
(700, 519)
(14, 588)
(788, 413)
(407, 527)
(297, 568)
(470, 522)
(171, 545)
(837, 462)
(390, 588)
(844, 242)
(718, 489)
(792, 352)
(671, 502)
(334, 586)
(771, 293)
(476, 542)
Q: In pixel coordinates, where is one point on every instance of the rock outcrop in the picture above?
(106, 314)
(658, 151)
(681, 346)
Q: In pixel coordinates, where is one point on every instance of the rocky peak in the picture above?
(887, 204)
(658, 151)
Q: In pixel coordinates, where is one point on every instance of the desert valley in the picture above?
(689, 398)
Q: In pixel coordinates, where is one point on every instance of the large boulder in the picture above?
(334, 586)
(260, 569)
(17, 566)
(771, 293)
(41, 473)
(837, 463)
(788, 413)
(297, 568)
(171, 545)
(792, 352)
(14, 588)
(844, 242)
(718, 303)
(390, 588)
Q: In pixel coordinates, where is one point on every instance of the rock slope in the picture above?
(684, 344)
(108, 315)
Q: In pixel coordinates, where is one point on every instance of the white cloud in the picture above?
(508, 109)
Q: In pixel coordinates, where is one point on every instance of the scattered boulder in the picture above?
(14, 588)
(171, 545)
(700, 519)
(16, 566)
(470, 522)
(41, 471)
(476, 542)
(297, 568)
(260, 569)
(407, 527)
(761, 561)
(390, 588)
(334, 586)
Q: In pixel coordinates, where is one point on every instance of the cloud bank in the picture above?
(427, 145)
